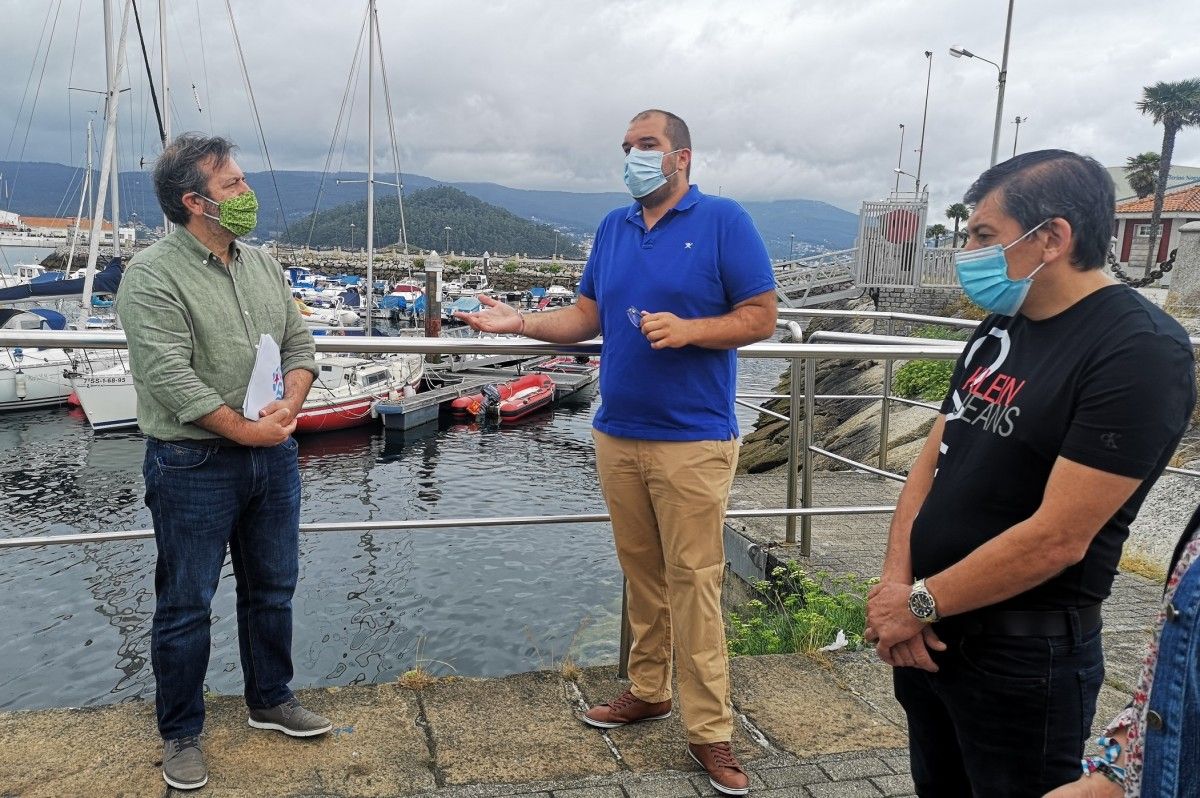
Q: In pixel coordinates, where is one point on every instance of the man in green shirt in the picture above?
(195, 307)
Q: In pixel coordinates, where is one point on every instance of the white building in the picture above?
(60, 229)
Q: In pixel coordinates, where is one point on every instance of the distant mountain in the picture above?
(42, 189)
(474, 225)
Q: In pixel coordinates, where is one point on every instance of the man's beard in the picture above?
(661, 194)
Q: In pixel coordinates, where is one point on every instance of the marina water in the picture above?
(369, 606)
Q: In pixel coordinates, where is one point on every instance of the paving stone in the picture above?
(791, 776)
(515, 729)
(901, 784)
(899, 763)
(590, 792)
(844, 789)
(861, 768)
(677, 788)
(800, 705)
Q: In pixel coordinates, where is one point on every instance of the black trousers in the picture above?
(1004, 717)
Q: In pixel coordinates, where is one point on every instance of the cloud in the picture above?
(784, 99)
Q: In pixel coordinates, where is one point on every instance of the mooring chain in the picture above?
(1154, 275)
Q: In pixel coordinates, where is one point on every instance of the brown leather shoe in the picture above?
(624, 710)
(724, 772)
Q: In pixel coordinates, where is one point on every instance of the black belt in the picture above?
(199, 443)
(1026, 623)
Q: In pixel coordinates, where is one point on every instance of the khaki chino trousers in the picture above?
(667, 501)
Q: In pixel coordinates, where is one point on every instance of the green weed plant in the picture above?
(800, 612)
(927, 379)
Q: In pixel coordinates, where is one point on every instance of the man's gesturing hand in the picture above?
(666, 330)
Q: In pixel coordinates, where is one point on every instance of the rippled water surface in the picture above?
(473, 601)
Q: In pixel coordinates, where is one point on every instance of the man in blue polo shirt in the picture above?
(675, 282)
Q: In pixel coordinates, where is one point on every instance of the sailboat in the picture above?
(40, 377)
(346, 387)
(105, 392)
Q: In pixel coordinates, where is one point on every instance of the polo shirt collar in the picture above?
(686, 203)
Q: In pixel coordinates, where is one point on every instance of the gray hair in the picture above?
(177, 172)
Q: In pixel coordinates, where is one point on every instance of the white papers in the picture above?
(266, 379)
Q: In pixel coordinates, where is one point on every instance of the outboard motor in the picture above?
(491, 401)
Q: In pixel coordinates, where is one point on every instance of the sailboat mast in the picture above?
(83, 195)
(370, 162)
(107, 159)
(113, 70)
(168, 227)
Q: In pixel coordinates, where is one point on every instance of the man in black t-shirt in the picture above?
(1064, 408)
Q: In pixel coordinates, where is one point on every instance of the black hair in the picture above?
(1049, 184)
(678, 135)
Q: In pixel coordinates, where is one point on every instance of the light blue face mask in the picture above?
(643, 171)
(983, 275)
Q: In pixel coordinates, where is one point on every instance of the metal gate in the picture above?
(891, 242)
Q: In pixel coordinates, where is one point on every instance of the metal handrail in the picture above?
(441, 523)
(830, 336)
(798, 353)
(884, 315)
(803, 358)
(115, 339)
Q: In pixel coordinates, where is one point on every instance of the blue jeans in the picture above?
(203, 497)
(1004, 717)
(1172, 751)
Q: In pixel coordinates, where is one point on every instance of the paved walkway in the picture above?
(809, 727)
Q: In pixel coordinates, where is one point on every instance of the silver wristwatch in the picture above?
(921, 603)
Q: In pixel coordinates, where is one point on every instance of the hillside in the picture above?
(474, 225)
(42, 189)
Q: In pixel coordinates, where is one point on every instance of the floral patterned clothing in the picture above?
(1133, 717)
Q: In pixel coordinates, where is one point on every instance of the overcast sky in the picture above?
(784, 99)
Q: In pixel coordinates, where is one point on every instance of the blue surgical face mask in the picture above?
(643, 171)
(983, 275)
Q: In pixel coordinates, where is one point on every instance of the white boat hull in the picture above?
(35, 379)
(108, 399)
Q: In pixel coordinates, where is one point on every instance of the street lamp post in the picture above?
(352, 236)
(1002, 77)
(1018, 122)
(555, 244)
(899, 160)
(792, 245)
(924, 116)
(447, 240)
(916, 181)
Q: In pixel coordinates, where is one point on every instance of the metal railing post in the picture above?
(626, 634)
(793, 446)
(810, 397)
(886, 409)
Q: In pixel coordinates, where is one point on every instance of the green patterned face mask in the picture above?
(238, 215)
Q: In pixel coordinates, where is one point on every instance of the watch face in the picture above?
(921, 605)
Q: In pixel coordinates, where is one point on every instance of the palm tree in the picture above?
(1174, 106)
(959, 213)
(1142, 173)
(936, 231)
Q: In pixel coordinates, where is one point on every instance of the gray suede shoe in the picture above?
(290, 718)
(183, 763)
